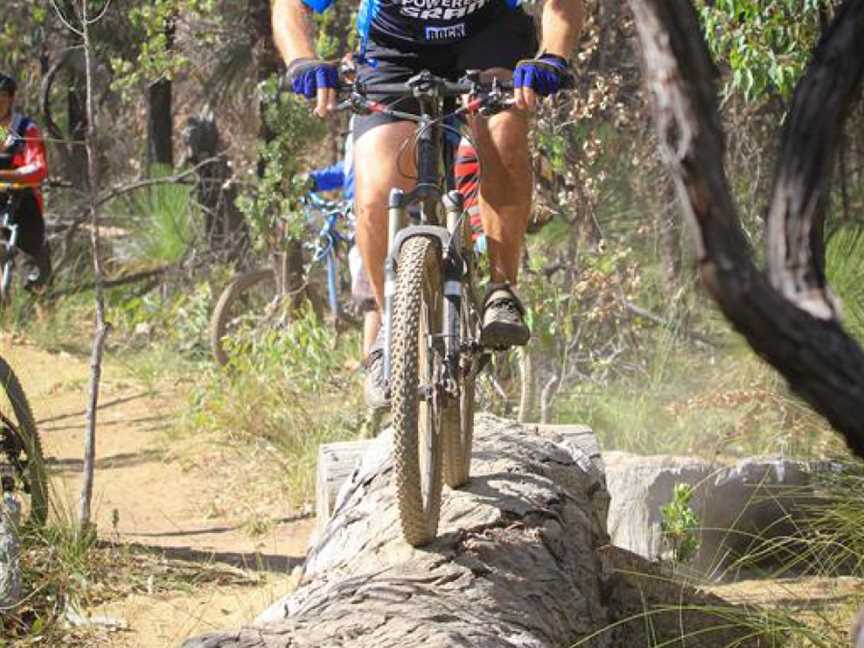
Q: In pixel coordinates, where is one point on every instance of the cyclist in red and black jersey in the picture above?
(399, 38)
(23, 160)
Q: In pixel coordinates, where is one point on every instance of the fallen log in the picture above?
(522, 559)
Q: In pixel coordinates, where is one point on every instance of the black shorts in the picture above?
(509, 39)
(27, 215)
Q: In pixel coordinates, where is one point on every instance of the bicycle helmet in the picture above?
(7, 84)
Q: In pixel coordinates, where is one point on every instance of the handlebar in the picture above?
(487, 97)
(427, 84)
(17, 186)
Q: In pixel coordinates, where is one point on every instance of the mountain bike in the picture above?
(255, 299)
(8, 241)
(22, 467)
(432, 312)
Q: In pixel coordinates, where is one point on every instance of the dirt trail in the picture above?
(157, 491)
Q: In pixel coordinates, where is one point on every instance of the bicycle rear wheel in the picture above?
(458, 430)
(244, 300)
(416, 366)
(20, 446)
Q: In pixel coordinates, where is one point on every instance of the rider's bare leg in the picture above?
(505, 208)
(506, 184)
(381, 161)
(371, 325)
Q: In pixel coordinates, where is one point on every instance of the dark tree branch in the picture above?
(125, 280)
(813, 132)
(129, 187)
(51, 126)
(822, 364)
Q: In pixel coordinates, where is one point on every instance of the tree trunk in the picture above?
(160, 114)
(521, 560)
(792, 321)
(224, 226)
(160, 126)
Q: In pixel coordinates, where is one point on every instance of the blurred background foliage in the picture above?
(624, 338)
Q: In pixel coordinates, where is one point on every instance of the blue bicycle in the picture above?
(254, 300)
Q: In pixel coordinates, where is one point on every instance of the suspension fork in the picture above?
(396, 217)
(453, 273)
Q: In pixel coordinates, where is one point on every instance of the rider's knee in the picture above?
(370, 210)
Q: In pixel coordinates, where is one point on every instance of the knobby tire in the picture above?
(29, 439)
(416, 426)
(458, 428)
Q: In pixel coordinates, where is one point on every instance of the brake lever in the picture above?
(498, 105)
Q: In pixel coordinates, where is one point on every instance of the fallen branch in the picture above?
(651, 317)
(176, 178)
(117, 281)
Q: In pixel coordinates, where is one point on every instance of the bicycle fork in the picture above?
(395, 217)
(454, 270)
(453, 273)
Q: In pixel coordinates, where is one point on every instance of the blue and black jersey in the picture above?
(423, 22)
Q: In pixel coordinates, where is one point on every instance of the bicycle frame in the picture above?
(329, 239)
(8, 250)
(429, 193)
(9, 243)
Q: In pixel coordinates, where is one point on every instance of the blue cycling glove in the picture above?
(543, 75)
(307, 75)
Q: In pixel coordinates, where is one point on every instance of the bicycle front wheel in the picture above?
(20, 446)
(416, 365)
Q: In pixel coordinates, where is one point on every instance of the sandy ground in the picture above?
(150, 491)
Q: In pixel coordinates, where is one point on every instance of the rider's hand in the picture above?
(315, 79)
(541, 76)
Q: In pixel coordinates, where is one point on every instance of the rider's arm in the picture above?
(294, 33)
(33, 168)
(329, 178)
(293, 29)
(561, 25)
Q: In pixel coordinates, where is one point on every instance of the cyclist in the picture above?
(447, 37)
(23, 160)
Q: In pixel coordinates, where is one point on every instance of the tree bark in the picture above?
(160, 114)
(102, 326)
(792, 324)
(160, 124)
(521, 560)
(224, 226)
